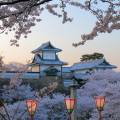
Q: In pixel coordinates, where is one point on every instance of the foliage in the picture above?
(14, 66)
(104, 83)
(35, 84)
(2, 67)
(84, 115)
(47, 109)
(41, 82)
(1, 62)
(15, 91)
(19, 16)
(4, 82)
(93, 56)
(18, 93)
(100, 83)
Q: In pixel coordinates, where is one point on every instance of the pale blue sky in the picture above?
(62, 36)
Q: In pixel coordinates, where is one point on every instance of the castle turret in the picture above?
(46, 60)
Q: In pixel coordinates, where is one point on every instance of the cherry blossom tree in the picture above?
(20, 15)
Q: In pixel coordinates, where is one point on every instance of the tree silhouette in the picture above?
(93, 56)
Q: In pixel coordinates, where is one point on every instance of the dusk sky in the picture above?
(62, 36)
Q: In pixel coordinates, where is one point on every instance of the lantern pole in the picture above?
(32, 117)
(69, 117)
(77, 83)
(73, 94)
(100, 115)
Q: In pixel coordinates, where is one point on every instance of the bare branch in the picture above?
(12, 2)
(110, 2)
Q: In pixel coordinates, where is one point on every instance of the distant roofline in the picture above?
(109, 66)
(32, 64)
(79, 67)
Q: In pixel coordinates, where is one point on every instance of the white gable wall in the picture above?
(80, 71)
(35, 68)
(49, 55)
(84, 71)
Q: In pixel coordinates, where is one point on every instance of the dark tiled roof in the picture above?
(98, 63)
(46, 47)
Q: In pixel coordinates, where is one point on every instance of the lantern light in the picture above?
(31, 107)
(100, 101)
(69, 103)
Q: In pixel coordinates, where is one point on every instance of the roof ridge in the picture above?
(44, 47)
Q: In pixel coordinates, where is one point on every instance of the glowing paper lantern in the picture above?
(31, 107)
(99, 102)
(69, 103)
